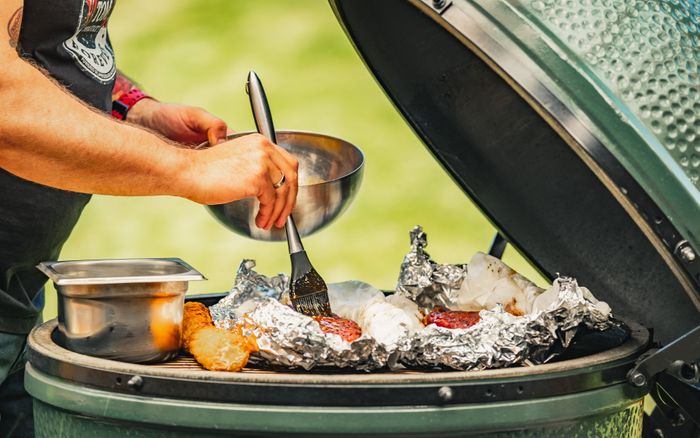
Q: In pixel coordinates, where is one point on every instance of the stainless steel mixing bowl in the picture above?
(330, 172)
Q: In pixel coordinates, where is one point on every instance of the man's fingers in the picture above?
(202, 122)
(289, 205)
(280, 203)
(212, 137)
(293, 186)
(290, 201)
(289, 158)
(289, 169)
(267, 197)
(217, 132)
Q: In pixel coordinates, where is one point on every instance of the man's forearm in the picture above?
(67, 145)
(50, 137)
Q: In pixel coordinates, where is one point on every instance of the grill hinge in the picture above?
(672, 373)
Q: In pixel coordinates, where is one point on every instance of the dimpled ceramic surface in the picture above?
(648, 53)
(625, 423)
(53, 422)
(627, 70)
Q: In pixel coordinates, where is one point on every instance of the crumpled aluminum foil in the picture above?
(392, 333)
(285, 337)
(499, 339)
(249, 285)
(390, 321)
(288, 338)
(425, 282)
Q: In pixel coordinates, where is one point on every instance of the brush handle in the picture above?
(263, 122)
(260, 107)
(293, 239)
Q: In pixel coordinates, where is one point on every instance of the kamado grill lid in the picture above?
(575, 126)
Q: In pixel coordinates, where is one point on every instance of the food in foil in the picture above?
(518, 321)
(425, 282)
(214, 348)
(463, 316)
(489, 282)
(482, 284)
(347, 329)
(390, 321)
(291, 339)
(249, 286)
(451, 319)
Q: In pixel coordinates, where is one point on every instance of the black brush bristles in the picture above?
(313, 305)
(308, 291)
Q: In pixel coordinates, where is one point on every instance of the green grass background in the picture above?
(199, 53)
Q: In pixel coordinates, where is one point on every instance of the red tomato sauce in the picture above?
(451, 319)
(345, 328)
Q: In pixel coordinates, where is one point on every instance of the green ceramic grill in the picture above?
(575, 126)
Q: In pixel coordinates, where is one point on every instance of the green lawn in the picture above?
(199, 53)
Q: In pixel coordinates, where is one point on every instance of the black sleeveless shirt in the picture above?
(68, 39)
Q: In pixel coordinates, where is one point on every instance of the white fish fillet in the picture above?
(490, 282)
(384, 319)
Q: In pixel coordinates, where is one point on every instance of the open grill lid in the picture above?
(574, 126)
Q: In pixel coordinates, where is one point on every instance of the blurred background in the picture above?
(199, 53)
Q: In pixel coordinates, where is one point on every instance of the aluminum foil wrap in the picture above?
(520, 322)
(290, 339)
(287, 338)
(425, 282)
(501, 338)
(251, 287)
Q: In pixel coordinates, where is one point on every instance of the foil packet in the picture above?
(290, 339)
(425, 282)
(520, 326)
(293, 340)
(250, 288)
(520, 323)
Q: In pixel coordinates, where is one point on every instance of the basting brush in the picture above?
(308, 291)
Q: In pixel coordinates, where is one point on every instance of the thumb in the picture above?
(213, 136)
(206, 123)
(217, 132)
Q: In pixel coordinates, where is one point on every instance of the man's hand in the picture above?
(245, 167)
(183, 124)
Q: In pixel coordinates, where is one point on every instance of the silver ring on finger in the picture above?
(280, 183)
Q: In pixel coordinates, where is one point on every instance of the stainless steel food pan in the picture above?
(123, 309)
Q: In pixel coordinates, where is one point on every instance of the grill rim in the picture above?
(409, 388)
(317, 420)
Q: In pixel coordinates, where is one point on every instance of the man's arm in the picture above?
(67, 145)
